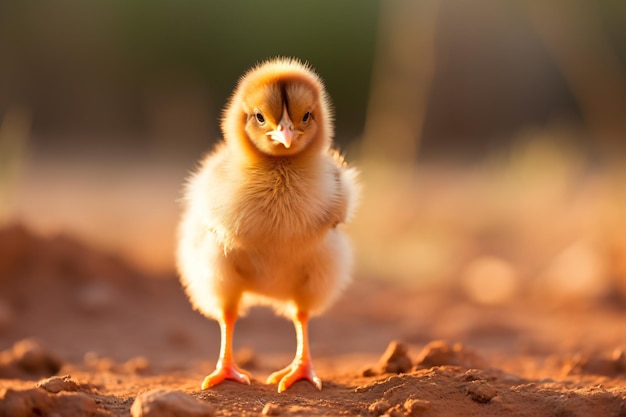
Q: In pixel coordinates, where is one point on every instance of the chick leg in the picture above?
(226, 367)
(302, 365)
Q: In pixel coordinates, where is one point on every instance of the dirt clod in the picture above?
(138, 365)
(101, 364)
(24, 403)
(57, 384)
(606, 365)
(379, 407)
(415, 407)
(166, 403)
(35, 359)
(27, 358)
(38, 402)
(75, 404)
(395, 411)
(395, 360)
(481, 391)
(440, 353)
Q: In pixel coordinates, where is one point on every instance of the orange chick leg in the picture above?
(302, 365)
(226, 367)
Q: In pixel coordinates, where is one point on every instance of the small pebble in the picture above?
(271, 409)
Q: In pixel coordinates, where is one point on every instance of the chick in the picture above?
(262, 214)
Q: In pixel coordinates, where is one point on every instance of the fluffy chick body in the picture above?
(262, 226)
(263, 235)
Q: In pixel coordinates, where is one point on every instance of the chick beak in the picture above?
(284, 132)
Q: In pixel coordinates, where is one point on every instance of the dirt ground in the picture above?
(66, 309)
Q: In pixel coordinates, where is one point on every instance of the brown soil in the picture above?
(68, 310)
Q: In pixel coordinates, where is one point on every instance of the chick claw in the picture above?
(292, 373)
(222, 373)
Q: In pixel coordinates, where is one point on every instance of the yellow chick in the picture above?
(262, 214)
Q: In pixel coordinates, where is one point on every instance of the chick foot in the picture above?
(296, 371)
(223, 372)
(226, 367)
(302, 366)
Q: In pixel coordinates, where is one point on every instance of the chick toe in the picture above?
(297, 371)
(226, 371)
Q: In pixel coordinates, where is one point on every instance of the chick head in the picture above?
(281, 108)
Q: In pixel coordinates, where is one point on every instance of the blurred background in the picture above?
(490, 135)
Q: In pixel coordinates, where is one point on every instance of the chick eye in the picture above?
(306, 117)
(259, 116)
